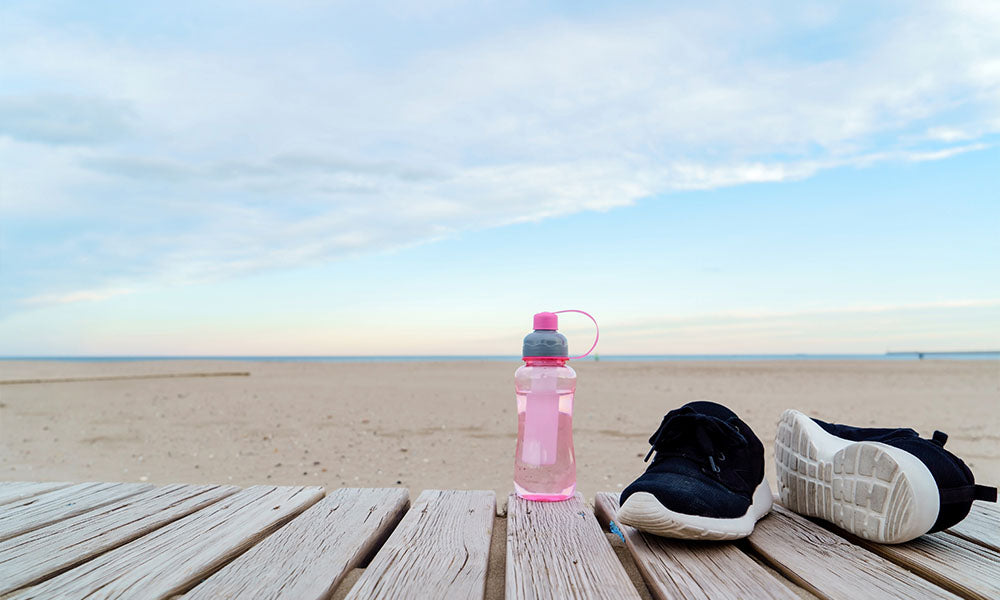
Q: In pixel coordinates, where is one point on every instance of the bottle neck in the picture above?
(545, 361)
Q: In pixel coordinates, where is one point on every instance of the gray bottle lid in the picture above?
(545, 341)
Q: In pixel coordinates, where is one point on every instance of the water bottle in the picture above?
(544, 462)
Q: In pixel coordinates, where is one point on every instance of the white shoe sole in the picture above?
(875, 491)
(644, 512)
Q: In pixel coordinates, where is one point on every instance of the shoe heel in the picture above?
(872, 496)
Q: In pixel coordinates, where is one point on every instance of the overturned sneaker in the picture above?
(706, 481)
(884, 485)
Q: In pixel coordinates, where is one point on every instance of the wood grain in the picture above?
(965, 567)
(981, 526)
(693, 569)
(439, 550)
(557, 550)
(11, 491)
(830, 566)
(38, 511)
(29, 558)
(310, 556)
(175, 557)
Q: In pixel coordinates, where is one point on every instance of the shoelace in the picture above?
(683, 427)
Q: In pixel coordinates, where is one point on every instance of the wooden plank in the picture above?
(965, 567)
(439, 550)
(29, 558)
(830, 566)
(311, 555)
(981, 526)
(693, 569)
(557, 550)
(12, 491)
(30, 514)
(175, 557)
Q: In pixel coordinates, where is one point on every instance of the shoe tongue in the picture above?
(685, 428)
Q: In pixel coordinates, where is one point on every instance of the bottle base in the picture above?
(559, 496)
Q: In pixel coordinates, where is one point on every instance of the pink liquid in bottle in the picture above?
(544, 462)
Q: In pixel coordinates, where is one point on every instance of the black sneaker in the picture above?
(884, 485)
(706, 481)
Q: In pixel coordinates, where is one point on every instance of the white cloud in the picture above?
(60, 119)
(77, 296)
(948, 134)
(260, 159)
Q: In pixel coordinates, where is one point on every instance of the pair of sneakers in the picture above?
(707, 481)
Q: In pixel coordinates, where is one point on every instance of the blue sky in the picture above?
(420, 177)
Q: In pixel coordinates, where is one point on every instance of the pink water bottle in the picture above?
(544, 462)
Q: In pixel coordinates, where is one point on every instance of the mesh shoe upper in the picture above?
(708, 462)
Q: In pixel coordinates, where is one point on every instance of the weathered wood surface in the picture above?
(439, 550)
(175, 557)
(693, 569)
(965, 567)
(307, 558)
(12, 491)
(981, 526)
(28, 558)
(830, 566)
(108, 540)
(38, 511)
(558, 550)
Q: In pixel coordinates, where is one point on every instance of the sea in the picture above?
(985, 355)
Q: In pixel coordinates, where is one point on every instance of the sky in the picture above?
(419, 178)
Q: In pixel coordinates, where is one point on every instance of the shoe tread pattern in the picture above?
(862, 490)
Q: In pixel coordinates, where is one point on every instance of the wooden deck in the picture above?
(118, 540)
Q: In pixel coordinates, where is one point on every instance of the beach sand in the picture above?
(441, 424)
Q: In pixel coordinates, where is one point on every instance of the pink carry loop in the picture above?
(597, 330)
(544, 460)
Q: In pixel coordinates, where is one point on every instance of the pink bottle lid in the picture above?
(546, 321)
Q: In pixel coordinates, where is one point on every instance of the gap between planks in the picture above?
(832, 567)
(29, 514)
(12, 491)
(557, 550)
(174, 558)
(309, 556)
(966, 568)
(694, 569)
(440, 549)
(982, 526)
(50, 550)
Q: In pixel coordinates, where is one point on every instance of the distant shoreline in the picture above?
(894, 356)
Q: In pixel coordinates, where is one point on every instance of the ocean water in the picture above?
(514, 358)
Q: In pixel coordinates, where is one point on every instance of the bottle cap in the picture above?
(546, 342)
(547, 321)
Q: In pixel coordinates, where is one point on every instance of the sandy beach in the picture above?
(439, 424)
